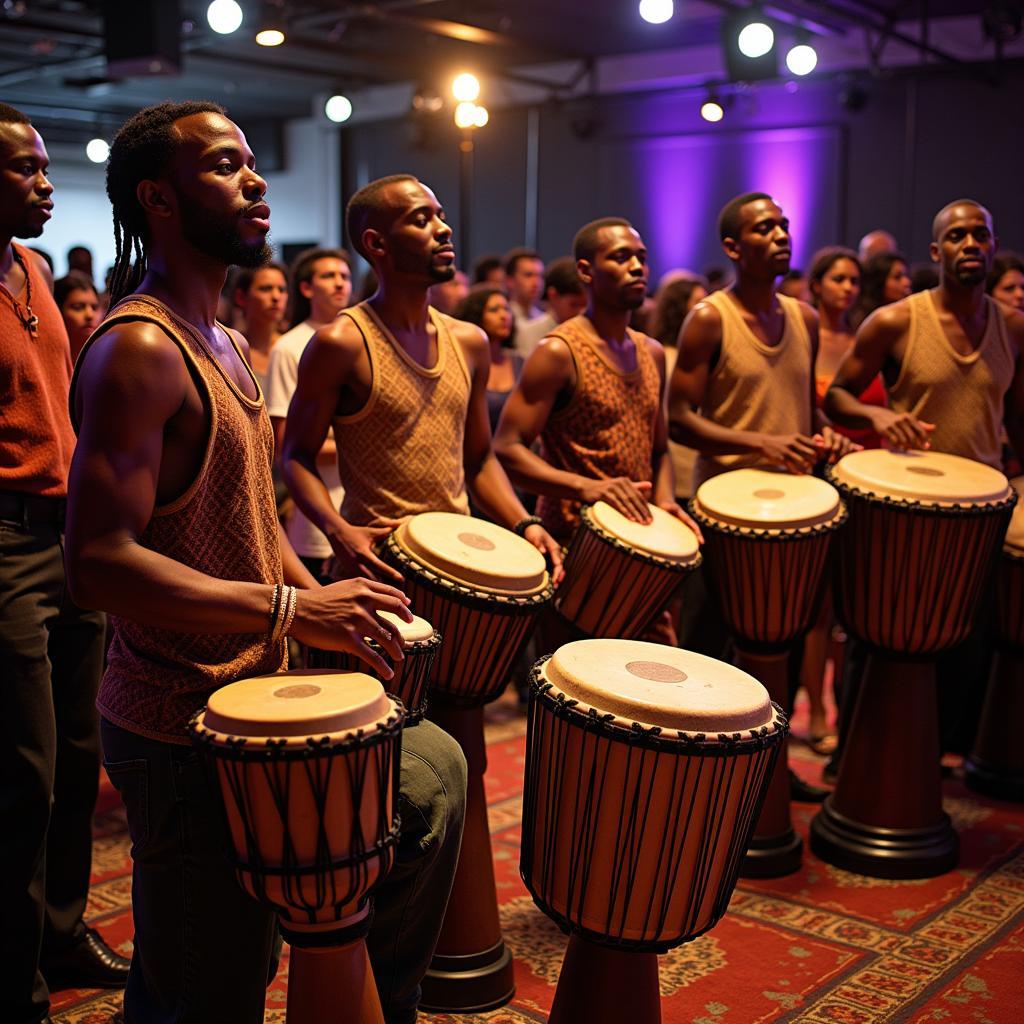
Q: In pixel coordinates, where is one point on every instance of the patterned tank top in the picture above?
(754, 386)
(607, 428)
(401, 454)
(223, 525)
(962, 395)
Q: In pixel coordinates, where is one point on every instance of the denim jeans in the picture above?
(51, 657)
(203, 947)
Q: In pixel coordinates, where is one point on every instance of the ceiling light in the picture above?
(656, 12)
(802, 59)
(270, 37)
(466, 87)
(755, 39)
(97, 151)
(224, 16)
(338, 109)
(712, 110)
(465, 115)
(481, 117)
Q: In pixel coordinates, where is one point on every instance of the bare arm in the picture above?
(549, 373)
(876, 341)
(485, 476)
(700, 340)
(132, 384)
(831, 444)
(325, 370)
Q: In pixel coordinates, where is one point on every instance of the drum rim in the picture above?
(446, 586)
(781, 533)
(943, 508)
(230, 747)
(643, 556)
(654, 737)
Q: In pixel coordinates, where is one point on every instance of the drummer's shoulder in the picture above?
(341, 333)
(553, 353)
(887, 324)
(702, 328)
(469, 336)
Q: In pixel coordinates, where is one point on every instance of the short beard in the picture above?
(216, 236)
(971, 278)
(441, 274)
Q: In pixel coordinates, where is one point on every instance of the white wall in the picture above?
(304, 198)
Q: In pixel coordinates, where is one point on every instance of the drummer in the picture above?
(950, 355)
(172, 529)
(593, 392)
(405, 388)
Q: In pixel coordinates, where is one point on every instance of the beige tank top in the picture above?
(961, 395)
(755, 386)
(401, 454)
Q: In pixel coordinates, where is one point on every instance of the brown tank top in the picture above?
(224, 525)
(607, 428)
(755, 386)
(962, 395)
(401, 454)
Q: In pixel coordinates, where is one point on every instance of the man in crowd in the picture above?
(524, 281)
(565, 298)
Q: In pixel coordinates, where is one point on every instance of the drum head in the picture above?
(410, 632)
(474, 552)
(660, 686)
(1015, 531)
(761, 499)
(303, 703)
(665, 536)
(932, 477)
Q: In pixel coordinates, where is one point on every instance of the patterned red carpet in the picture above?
(820, 946)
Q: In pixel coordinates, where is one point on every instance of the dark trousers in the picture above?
(51, 658)
(203, 947)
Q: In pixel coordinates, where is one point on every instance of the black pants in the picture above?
(51, 657)
(203, 947)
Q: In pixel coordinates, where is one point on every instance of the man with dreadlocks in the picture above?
(172, 529)
(51, 651)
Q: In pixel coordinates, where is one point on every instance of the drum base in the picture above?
(606, 986)
(897, 853)
(772, 856)
(332, 983)
(471, 970)
(469, 984)
(996, 765)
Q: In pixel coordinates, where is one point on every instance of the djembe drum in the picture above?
(924, 531)
(483, 588)
(620, 574)
(767, 537)
(996, 763)
(646, 768)
(420, 644)
(307, 767)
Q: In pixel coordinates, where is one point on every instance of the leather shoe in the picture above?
(804, 792)
(90, 963)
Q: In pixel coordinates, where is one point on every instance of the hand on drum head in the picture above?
(902, 429)
(353, 547)
(795, 452)
(340, 616)
(549, 548)
(674, 509)
(624, 495)
(833, 446)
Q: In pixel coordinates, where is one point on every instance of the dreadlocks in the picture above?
(140, 150)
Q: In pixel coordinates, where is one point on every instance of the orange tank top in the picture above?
(754, 386)
(962, 395)
(224, 525)
(36, 439)
(401, 454)
(607, 427)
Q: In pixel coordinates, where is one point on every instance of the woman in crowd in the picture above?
(487, 306)
(885, 278)
(1006, 280)
(80, 307)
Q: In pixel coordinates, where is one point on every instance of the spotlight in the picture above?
(481, 117)
(711, 110)
(338, 109)
(656, 12)
(466, 87)
(755, 39)
(270, 37)
(466, 115)
(97, 151)
(224, 16)
(271, 30)
(802, 59)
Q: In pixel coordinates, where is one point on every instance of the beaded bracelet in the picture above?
(293, 604)
(524, 524)
(275, 609)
